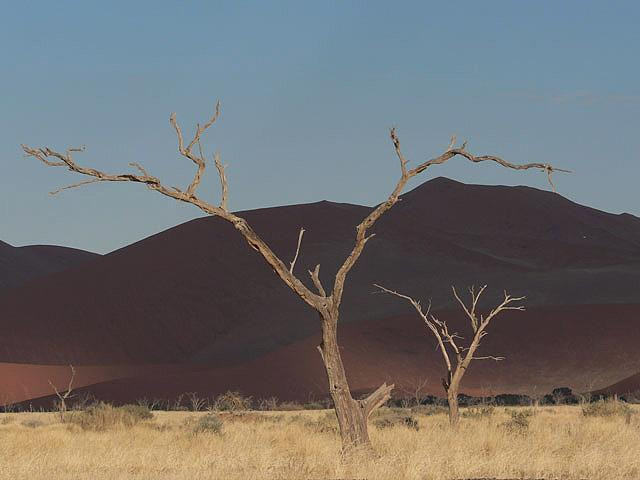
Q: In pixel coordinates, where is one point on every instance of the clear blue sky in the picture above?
(308, 90)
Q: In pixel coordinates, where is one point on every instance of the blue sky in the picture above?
(308, 92)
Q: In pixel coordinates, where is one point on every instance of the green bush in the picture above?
(209, 423)
(103, 416)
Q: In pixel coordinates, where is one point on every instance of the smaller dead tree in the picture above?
(414, 391)
(61, 403)
(448, 342)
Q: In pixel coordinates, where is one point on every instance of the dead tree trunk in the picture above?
(351, 420)
(448, 345)
(352, 414)
(452, 399)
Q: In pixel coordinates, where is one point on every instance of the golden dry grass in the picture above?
(559, 443)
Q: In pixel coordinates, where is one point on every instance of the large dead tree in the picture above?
(352, 414)
(457, 358)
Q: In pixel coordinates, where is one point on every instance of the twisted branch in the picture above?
(45, 155)
(405, 175)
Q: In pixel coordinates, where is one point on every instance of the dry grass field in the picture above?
(545, 442)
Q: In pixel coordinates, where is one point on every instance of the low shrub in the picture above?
(290, 406)
(6, 420)
(429, 410)
(484, 411)
(103, 416)
(232, 402)
(518, 423)
(209, 423)
(268, 404)
(633, 397)
(607, 408)
(392, 417)
(32, 423)
(512, 399)
(327, 423)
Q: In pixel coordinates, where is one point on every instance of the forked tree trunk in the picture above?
(352, 414)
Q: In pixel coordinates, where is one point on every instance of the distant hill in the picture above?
(629, 386)
(197, 296)
(18, 265)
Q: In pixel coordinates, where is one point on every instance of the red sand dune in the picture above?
(629, 385)
(544, 348)
(198, 297)
(18, 265)
(20, 382)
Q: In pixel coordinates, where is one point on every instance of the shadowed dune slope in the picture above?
(544, 348)
(629, 385)
(18, 265)
(196, 295)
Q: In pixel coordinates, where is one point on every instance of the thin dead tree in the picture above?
(457, 358)
(414, 390)
(352, 414)
(63, 396)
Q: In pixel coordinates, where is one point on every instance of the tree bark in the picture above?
(351, 419)
(454, 413)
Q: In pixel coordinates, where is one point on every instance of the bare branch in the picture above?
(399, 154)
(489, 357)
(315, 277)
(452, 143)
(223, 181)
(66, 160)
(405, 176)
(251, 237)
(549, 171)
(200, 130)
(70, 386)
(450, 338)
(293, 262)
(74, 185)
(397, 294)
(376, 399)
(505, 305)
(140, 168)
(472, 317)
(64, 396)
(431, 321)
(199, 161)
